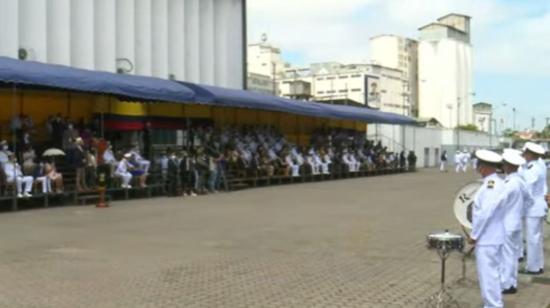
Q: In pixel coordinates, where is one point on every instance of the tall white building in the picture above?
(194, 40)
(399, 53)
(263, 59)
(445, 71)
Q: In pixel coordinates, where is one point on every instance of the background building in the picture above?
(370, 85)
(445, 71)
(263, 59)
(399, 53)
(483, 116)
(194, 40)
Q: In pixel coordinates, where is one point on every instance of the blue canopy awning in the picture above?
(246, 99)
(68, 78)
(156, 89)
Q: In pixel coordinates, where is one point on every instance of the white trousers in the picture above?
(443, 166)
(510, 255)
(144, 164)
(487, 262)
(465, 167)
(19, 181)
(458, 167)
(126, 177)
(315, 168)
(324, 168)
(533, 235)
(46, 184)
(295, 170)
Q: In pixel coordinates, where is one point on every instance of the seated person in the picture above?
(142, 163)
(14, 175)
(41, 178)
(122, 171)
(54, 177)
(137, 172)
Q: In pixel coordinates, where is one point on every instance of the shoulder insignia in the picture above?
(530, 166)
(491, 184)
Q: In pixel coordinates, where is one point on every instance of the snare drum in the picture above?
(445, 241)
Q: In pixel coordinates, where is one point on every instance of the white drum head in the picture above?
(464, 202)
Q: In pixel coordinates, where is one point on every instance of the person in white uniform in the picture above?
(13, 173)
(465, 160)
(535, 178)
(488, 228)
(516, 198)
(3, 152)
(122, 171)
(458, 161)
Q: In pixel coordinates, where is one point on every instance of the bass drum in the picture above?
(463, 204)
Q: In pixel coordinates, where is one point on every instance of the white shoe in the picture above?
(193, 194)
(26, 194)
(19, 195)
(128, 186)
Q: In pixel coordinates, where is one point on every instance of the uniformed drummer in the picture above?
(534, 176)
(488, 228)
(516, 198)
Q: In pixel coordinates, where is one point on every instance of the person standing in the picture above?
(443, 163)
(488, 228)
(515, 198)
(458, 161)
(535, 178)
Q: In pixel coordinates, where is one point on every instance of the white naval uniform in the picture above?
(122, 172)
(488, 231)
(14, 175)
(458, 162)
(516, 198)
(535, 179)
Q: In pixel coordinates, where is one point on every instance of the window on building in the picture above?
(330, 78)
(356, 75)
(343, 77)
(331, 91)
(320, 92)
(356, 90)
(320, 78)
(343, 91)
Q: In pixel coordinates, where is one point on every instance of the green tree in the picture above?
(469, 127)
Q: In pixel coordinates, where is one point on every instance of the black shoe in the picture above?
(521, 259)
(510, 290)
(526, 272)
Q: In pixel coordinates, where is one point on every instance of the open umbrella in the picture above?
(53, 152)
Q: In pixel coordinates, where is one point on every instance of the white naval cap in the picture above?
(488, 156)
(516, 151)
(127, 155)
(512, 157)
(534, 148)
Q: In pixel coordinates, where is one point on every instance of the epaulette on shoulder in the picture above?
(491, 184)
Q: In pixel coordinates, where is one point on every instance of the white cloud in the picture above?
(507, 36)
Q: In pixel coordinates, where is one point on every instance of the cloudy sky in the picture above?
(511, 41)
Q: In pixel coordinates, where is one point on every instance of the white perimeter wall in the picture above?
(194, 40)
(428, 143)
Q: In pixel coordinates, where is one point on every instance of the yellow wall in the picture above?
(40, 104)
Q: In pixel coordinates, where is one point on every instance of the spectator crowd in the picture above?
(202, 164)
